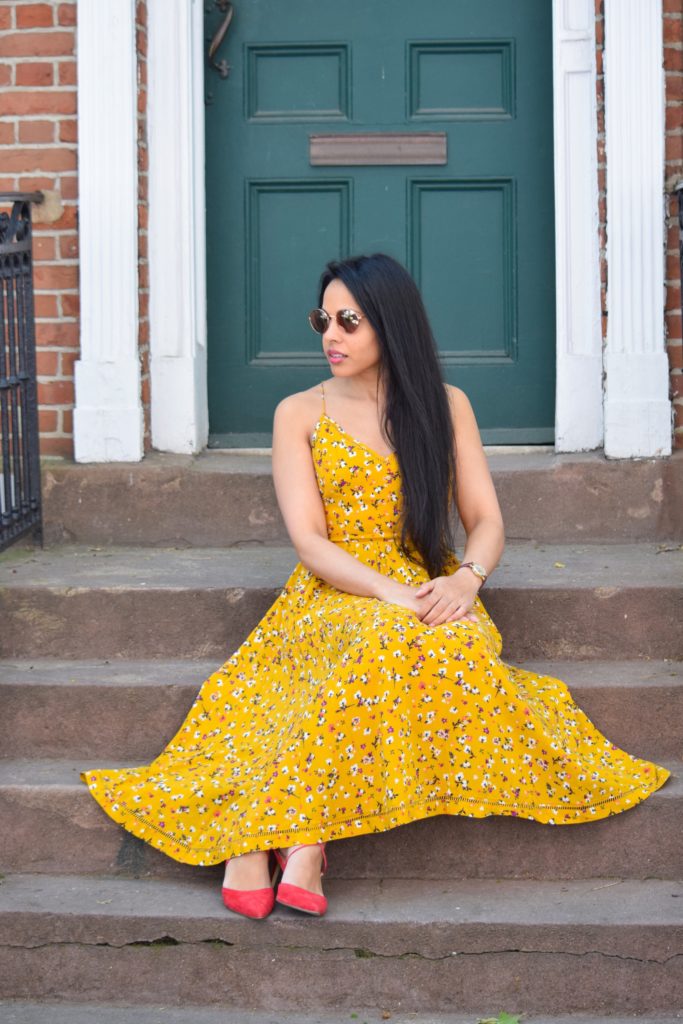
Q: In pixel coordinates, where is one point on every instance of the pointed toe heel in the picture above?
(254, 903)
(295, 896)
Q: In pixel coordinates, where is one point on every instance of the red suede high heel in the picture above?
(296, 897)
(256, 903)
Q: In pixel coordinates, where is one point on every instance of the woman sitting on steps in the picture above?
(372, 692)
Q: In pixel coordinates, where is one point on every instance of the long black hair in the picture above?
(416, 419)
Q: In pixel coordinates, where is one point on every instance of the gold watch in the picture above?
(477, 569)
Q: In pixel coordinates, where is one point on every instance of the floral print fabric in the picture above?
(342, 715)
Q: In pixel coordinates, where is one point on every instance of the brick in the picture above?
(67, 72)
(66, 14)
(46, 362)
(674, 88)
(48, 102)
(145, 391)
(673, 267)
(44, 247)
(66, 363)
(143, 305)
(56, 446)
(674, 146)
(39, 73)
(141, 42)
(5, 75)
(32, 183)
(59, 333)
(673, 297)
(673, 30)
(674, 118)
(40, 159)
(6, 133)
(9, 185)
(68, 186)
(672, 6)
(47, 421)
(56, 392)
(68, 130)
(45, 305)
(673, 59)
(68, 247)
(38, 44)
(70, 305)
(674, 326)
(36, 131)
(675, 354)
(5, 19)
(35, 16)
(141, 12)
(55, 277)
(143, 217)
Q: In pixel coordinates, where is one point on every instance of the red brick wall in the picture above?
(143, 265)
(38, 151)
(38, 137)
(673, 68)
(38, 140)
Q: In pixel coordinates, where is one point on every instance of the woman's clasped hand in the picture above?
(439, 600)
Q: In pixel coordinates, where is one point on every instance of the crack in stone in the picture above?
(358, 952)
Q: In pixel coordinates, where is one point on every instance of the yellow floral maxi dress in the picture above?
(342, 715)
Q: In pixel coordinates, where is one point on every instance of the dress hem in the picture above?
(376, 821)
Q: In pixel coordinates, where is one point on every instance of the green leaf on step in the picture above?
(502, 1018)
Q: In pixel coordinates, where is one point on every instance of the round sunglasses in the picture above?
(348, 320)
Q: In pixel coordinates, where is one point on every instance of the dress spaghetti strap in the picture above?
(322, 388)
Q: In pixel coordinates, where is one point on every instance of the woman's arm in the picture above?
(302, 509)
(452, 597)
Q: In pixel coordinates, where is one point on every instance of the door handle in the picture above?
(222, 67)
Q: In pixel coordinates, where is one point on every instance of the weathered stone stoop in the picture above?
(153, 575)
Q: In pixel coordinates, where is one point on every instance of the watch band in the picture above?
(477, 569)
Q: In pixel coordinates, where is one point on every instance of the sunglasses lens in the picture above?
(319, 320)
(348, 320)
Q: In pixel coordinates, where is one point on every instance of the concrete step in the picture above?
(171, 500)
(129, 710)
(22, 1012)
(596, 946)
(549, 601)
(58, 828)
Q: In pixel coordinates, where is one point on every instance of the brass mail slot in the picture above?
(378, 148)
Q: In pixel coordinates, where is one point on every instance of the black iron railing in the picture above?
(20, 504)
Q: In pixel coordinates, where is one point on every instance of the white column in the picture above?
(637, 406)
(177, 225)
(578, 408)
(108, 421)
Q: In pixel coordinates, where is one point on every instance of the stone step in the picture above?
(23, 1012)
(172, 500)
(595, 946)
(549, 601)
(130, 709)
(58, 828)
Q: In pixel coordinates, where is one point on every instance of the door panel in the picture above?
(476, 231)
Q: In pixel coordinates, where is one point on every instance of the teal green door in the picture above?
(470, 85)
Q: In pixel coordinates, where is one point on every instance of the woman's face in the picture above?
(348, 354)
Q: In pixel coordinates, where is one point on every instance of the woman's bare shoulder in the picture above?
(301, 410)
(459, 403)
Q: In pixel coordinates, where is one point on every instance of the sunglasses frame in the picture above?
(339, 318)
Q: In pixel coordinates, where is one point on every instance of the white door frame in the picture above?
(638, 417)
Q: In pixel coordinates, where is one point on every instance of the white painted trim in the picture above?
(578, 412)
(177, 237)
(637, 406)
(108, 420)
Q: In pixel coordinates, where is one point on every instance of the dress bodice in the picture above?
(361, 490)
